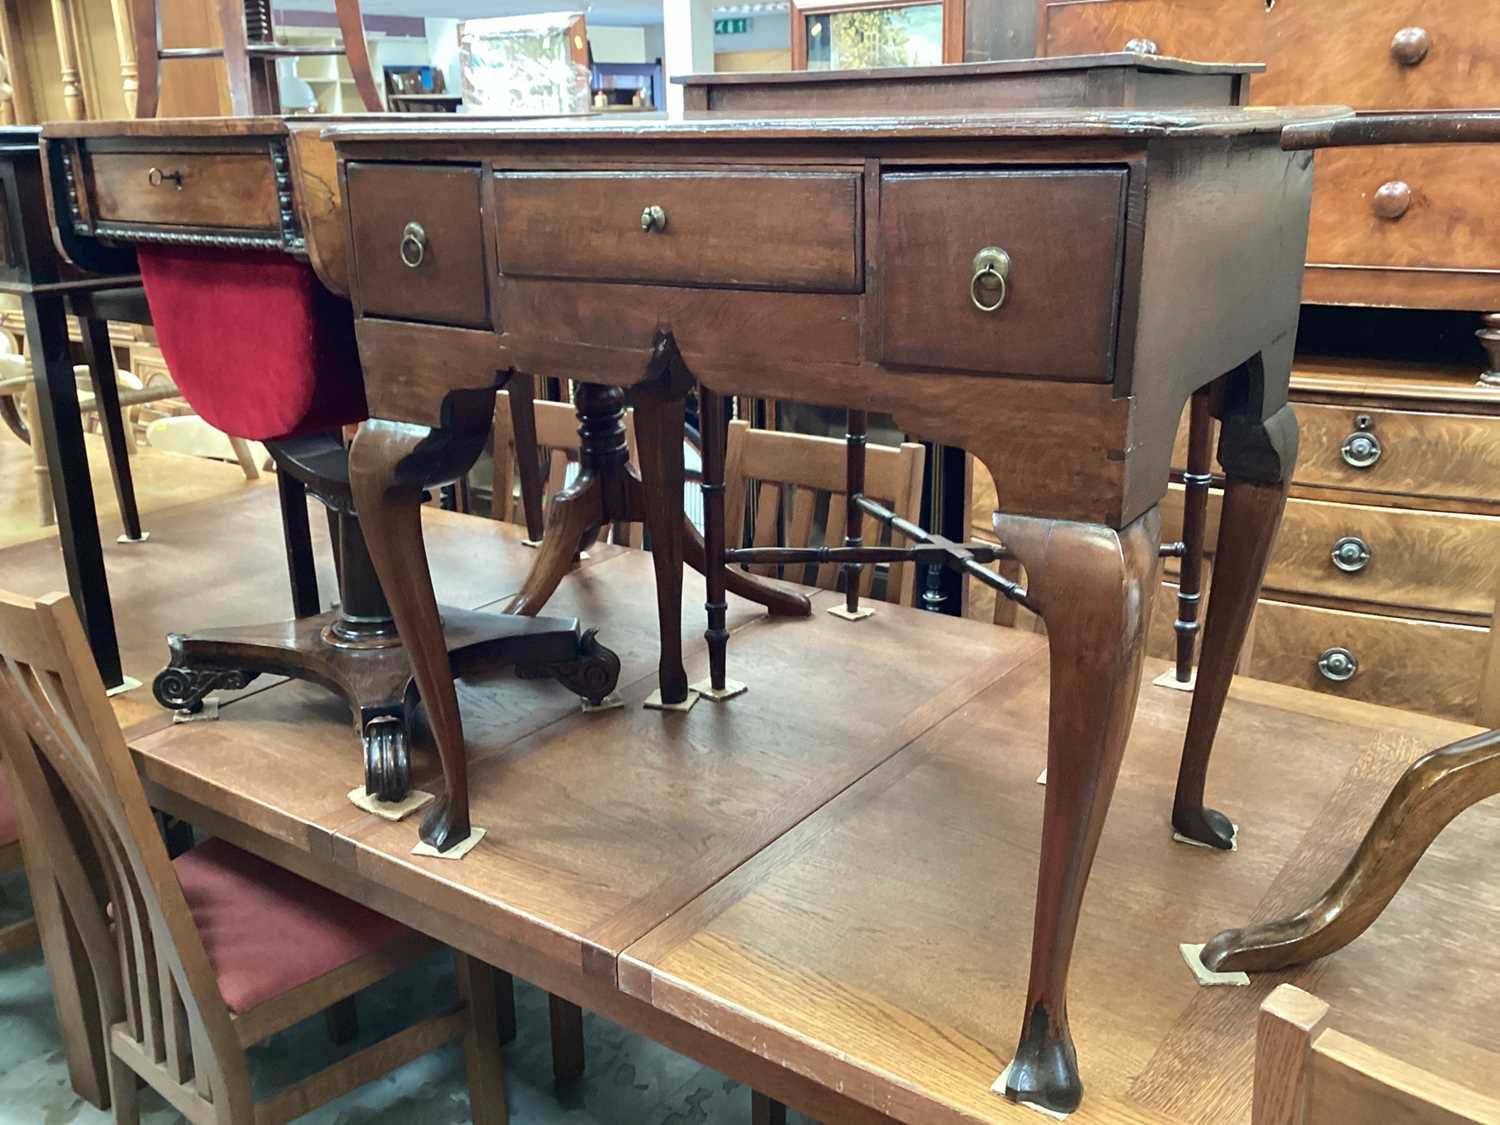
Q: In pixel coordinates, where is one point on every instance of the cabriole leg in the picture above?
(1093, 588)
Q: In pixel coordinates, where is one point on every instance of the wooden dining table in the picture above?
(834, 910)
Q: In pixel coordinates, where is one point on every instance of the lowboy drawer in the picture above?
(1415, 665)
(232, 190)
(746, 230)
(416, 233)
(1062, 235)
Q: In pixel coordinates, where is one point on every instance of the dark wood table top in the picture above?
(798, 891)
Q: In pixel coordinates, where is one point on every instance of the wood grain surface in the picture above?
(217, 190)
(768, 230)
(1425, 666)
(1064, 232)
(881, 939)
(1448, 225)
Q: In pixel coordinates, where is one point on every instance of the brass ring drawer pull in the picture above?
(413, 245)
(653, 218)
(1410, 45)
(1351, 554)
(156, 177)
(1392, 200)
(987, 288)
(1362, 449)
(1338, 665)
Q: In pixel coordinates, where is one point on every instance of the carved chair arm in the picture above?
(1447, 127)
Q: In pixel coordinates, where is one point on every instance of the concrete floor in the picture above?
(629, 1080)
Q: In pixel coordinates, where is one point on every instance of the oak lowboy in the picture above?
(1045, 289)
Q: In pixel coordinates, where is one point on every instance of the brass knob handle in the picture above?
(1410, 45)
(1338, 665)
(653, 218)
(987, 288)
(413, 245)
(1351, 554)
(1392, 200)
(1362, 449)
(1142, 46)
(156, 177)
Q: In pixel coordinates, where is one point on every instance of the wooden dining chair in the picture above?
(557, 443)
(199, 958)
(1309, 1074)
(249, 52)
(789, 475)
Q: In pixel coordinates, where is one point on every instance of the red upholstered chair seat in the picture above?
(255, 343)
(266, 930)
(10, 832)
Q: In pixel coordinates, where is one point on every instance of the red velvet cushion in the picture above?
(255, 343)
(9, 831)
(267, 930)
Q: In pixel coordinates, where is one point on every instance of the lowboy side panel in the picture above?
(1221, 283)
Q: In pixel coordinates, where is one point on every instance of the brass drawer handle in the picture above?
(991, 268)
(1142, 46)
(413, 245)
(1351, 554)
(1392, 200)
(1338, 665)
(1410, 45)
(653, 218)
(1362, 449)
(156, 177)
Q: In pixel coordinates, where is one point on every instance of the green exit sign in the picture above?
(731, 27)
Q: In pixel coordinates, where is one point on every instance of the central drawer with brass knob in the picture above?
(771, 229)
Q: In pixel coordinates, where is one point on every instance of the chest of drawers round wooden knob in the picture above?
(1410, 45)
(1392, 200)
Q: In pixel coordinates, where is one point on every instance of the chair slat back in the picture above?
(557, 444)
(789, 475)
(1308, 1074)
(72, 768)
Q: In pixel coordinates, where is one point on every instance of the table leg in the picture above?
(1432, 791)
(296, 533)
(1258, 457)
(522, 389)
(100, 357)
(713, 424)
(766, 1110)
(390, 463)
(1093, 588)
(854, 518)
(1197, 480)
(59, 427)
(657, 500)
(567, 1039)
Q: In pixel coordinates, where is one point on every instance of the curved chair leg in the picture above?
(1258, 457)
(1433, 790)
(1093, 588)
(569, 518)
(389, 465)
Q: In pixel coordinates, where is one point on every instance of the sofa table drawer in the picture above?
(1046, 308)
(230, 190)
(418, 245)
(1408, 453)
(1424, 666)
(745, 230)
